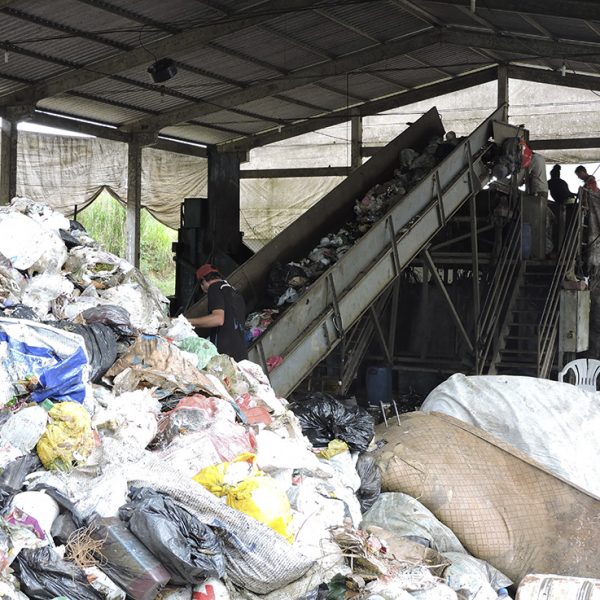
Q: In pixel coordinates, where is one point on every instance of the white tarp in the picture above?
(66, 172)
(555, 423)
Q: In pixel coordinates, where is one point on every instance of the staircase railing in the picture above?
(505, 277)
(548, 326)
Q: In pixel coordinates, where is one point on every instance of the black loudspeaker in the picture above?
(162, 70)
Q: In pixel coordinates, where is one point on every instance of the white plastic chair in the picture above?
(586, 372)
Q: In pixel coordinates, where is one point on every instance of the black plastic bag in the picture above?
(100, 343)
(13, 477)
(280, 277)
(186, 547)
(370, 480)
(323, 418)
(19, 311)
(116, 317)
(69, 239)
(44, 576)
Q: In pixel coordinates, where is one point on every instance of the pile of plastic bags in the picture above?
(137, 462)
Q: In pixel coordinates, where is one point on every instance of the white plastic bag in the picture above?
(25, 428)
(43, 289)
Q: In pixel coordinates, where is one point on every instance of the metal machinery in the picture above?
(428, 243)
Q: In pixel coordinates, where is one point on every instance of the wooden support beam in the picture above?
(8, 161)
(297, 172)
(134, 202)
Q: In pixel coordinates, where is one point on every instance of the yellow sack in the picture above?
(257, 495)
(334, 448)
(68, 437)
(218, 478)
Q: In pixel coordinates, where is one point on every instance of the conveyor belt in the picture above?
(309, 329)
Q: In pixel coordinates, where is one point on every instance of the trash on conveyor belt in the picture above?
(136, 462)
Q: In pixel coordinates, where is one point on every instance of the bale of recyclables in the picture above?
(504, 507)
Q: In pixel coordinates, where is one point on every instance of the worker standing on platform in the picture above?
(536, 181)
(226, 313)
(589, 181)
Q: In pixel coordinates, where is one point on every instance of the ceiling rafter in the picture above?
(171, 44)
(574, 9)
(585, 82)
(295, 79)
(364, 34)
(486, 23)
(106, 6)
(368, 108)
(530, 46)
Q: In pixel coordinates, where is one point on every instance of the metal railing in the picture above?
(505, 278)
(548, 326)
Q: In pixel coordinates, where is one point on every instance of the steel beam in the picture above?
(169, 45)
(442, 287)
(356, 141)
(295, 172)
(574, 9)
(100, 130)
(584, 82)
(529, 46)
(8, 160)
(368, 108)
(565, 144)
(295, 79)
(134, 202)
(503, 91)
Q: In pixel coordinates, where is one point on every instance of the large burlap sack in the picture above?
(504, 507)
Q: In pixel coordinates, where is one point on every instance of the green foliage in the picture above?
(104, 220)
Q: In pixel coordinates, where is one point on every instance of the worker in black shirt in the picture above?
(226, 313)
(564, 199)
(559, 188)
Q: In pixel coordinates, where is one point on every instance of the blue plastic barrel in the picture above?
(379, 385)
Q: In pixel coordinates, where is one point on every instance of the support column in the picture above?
(134, 201)
(224, 201)
(8, 160)
(356, 142)
(503, 92)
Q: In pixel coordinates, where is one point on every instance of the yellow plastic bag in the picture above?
(257, 495)
(68, 437)
(334, 448)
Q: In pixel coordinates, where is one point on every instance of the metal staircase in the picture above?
(521, 316)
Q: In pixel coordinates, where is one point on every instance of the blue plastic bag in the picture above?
(57, 358)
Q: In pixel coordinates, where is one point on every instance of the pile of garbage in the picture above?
(287, 282)
(136, 462)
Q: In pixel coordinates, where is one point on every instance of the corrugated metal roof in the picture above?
(196, 133)
(277, 49)
(383, 20)
(316, 95)
(283, 42)
(278, 109)
(236, 122)
(88, 109)
(312, 28)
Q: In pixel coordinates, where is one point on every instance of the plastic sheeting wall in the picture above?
(67, 171)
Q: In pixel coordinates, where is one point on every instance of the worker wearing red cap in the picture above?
(226, 313)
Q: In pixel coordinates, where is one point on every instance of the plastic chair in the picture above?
(585, 370)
